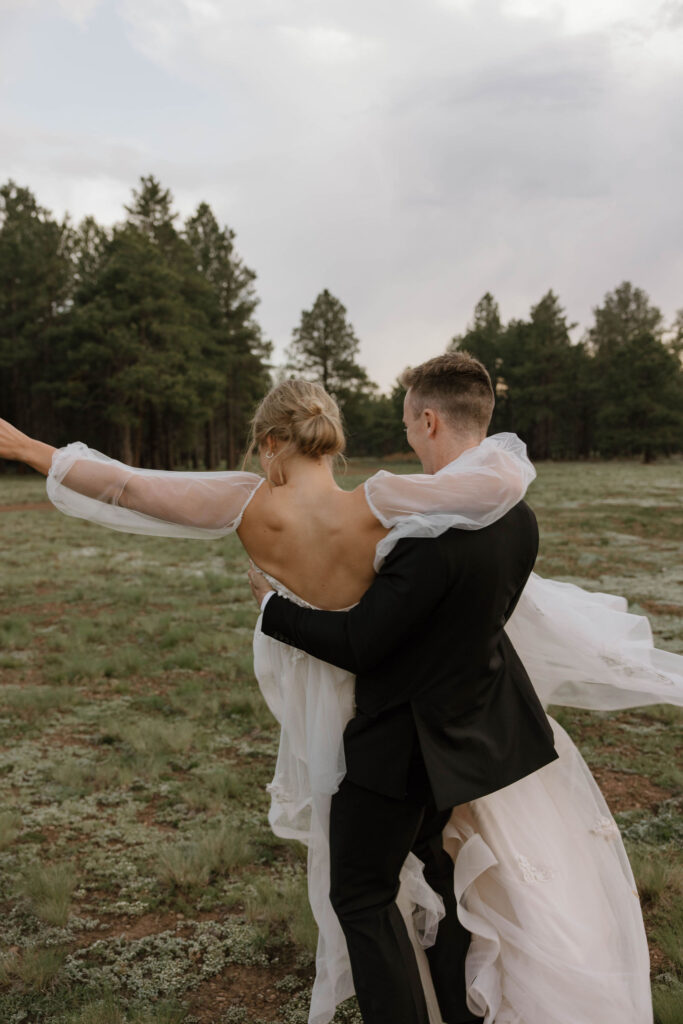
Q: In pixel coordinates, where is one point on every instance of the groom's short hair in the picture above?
(457, 385)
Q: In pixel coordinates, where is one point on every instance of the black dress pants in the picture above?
(370, 837)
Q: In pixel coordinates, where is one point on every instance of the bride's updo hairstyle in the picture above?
(303, 416)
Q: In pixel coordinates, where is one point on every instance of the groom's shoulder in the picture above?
(518, 527)
(519, 521)
(524, 514)
(416, 557)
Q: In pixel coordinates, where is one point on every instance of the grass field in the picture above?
(139, 881)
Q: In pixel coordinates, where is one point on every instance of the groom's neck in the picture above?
(450, 448)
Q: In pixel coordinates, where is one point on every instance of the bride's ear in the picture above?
(268, 447)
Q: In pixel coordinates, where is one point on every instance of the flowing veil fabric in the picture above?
(586, 650)
(542, 877)
(545, 887)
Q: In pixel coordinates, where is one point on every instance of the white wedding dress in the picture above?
(541, 874)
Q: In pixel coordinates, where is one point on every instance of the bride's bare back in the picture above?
(315, 538)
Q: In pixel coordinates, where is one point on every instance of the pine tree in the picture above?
(535, 371)
(638, 377)
(626, 313)
(136, 372)
(483, 337)
(547, 380)
(324, 348)
(35, 281)
(239, 351)
(151, 212)
(164, 357)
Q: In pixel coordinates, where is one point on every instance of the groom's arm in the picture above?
(411, 583)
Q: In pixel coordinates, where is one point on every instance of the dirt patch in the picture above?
(659, 961)
(24, 677)
(252, 987)
(624, 791)
(49, 608)
(661, 609)
(29, 506)
(66, 739)
(147, 816)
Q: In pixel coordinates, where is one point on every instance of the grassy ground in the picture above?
(139, 882)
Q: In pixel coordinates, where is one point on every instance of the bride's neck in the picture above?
(303, 472)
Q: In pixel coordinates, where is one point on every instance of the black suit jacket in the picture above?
(433, 663)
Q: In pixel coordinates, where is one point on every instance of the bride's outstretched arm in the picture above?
(88, 485)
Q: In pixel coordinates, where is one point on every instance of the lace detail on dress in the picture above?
(533, 872)
(635, 670)
(281, 589)
(605, 827)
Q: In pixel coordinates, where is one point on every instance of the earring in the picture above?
(269, 455)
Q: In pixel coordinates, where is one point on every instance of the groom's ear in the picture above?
(430, 419)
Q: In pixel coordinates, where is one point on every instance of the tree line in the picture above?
(618, 392)
(143, 341)
(140, 340)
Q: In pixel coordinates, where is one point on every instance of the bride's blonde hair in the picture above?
(303, 416)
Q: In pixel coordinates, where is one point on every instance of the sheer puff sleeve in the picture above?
(88, 485)
(469, 493)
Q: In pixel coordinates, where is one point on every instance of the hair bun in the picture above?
(304, 416)
(313, 411)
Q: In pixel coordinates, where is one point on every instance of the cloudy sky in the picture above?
(409, 155)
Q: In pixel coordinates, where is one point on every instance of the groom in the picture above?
(445, 710)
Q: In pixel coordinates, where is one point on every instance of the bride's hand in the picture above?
(12, 442)
(22, 448)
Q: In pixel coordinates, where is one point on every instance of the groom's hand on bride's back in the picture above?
(410, 584)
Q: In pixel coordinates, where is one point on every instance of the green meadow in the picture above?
(139, 880)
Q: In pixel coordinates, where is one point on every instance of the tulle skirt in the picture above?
(545, 887)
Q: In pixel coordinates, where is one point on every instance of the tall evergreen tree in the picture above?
(136, 372)
(87, 252)
(164, 357)
(35, 281)
(626, 313)
(324, 348)
(676, 334)
(535, 371)
(640, 406)
(238, 347)
(638, 377)
(151, 212)
(484, 337)
(541, 374)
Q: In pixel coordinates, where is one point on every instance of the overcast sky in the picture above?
(409, 155)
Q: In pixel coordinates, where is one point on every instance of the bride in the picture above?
(541, 876)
